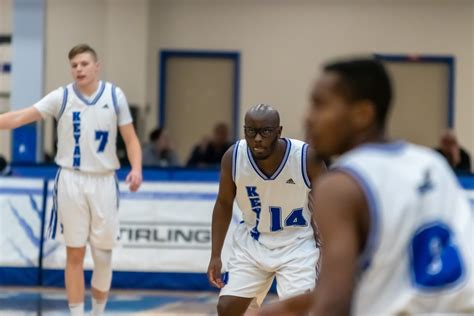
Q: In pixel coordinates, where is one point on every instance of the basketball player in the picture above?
(269, 177)
(86, 192)
(396, 227)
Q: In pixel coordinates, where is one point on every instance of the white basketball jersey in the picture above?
(274, 208)
(87, 128)
(419, 252)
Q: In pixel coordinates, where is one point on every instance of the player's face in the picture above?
(84, 69)
(328, 121)
(262, 136)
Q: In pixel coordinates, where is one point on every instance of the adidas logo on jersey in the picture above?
(290, 181)
(106, 106)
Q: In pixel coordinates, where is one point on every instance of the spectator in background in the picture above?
(457, 157)
(5, 169)
(210, 151)
(159, 153)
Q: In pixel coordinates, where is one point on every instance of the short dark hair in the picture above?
(155, 134)
(365, 79)
(80, 49)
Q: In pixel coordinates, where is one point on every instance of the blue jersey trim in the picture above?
(97, 97)
(280, 168)
(304, 169)
(391, 147)
(53, 220)
(114, 99)
(234, 160)
(117, 192)
(373, 236)
(63, 105)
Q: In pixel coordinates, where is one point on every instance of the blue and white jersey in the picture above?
(87, 127)
(274, 208)
(419, 253)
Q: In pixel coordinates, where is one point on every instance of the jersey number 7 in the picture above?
(103, 138)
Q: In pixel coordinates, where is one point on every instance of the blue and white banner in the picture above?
(21, 217)
(165, 235)
(165, 227)
(21, 210)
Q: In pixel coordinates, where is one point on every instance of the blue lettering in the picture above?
(77, 127)
(252, 191)
(255, 202)
(76, 162)
(76, 119)
(76, 116)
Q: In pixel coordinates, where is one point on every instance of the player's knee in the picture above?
(102, 274)
(75, 256)
(226, 306)
(223, 307)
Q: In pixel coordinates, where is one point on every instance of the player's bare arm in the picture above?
(221, 217)
(315, 166)
(134, 154)
(14, 119)
(342, 215)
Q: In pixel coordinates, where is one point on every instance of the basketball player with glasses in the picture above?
(269, 178)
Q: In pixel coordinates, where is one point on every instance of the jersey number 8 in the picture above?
(435, 260)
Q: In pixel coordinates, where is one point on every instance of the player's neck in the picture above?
(89, 88)
(373, 136)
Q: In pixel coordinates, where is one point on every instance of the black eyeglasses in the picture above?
(264, 131)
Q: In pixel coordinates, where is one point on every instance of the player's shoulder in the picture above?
(378, 152)
(62, 89)
(113, 86)
(69, 85)
(238, 145)
(296, 147)
(57, 95)
(296, 143)
(231, 151)
(391, 153)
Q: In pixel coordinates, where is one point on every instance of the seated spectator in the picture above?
(210, 151)
(5, 169)
(456, 156)
(159, 153)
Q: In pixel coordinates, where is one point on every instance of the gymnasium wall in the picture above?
(117, 29)
(282, 43)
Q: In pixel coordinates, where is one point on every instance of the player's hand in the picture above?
(214, 273)
(134, 180)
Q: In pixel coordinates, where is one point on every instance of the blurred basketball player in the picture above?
(397, 228)
(88, 112)
(269, 177)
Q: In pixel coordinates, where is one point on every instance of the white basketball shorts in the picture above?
(85, 209)
(252, 267)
